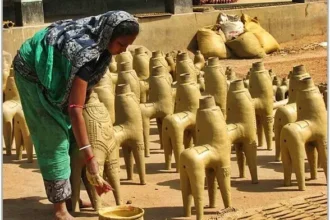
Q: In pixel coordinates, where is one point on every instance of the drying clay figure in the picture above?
(282, 91)
(127, 75)
(105, 92)
(7, 60)
(124, 57)
(128, 130)
(231, 76)
(308, 133)
(216, 82)
(160, 102)
(22, 137)
(158, 59)
(288, 113)
(241, 126)
(209, 157)
(141, 67)
(10, 107)
(261, 90)
(113, 65)
(185, 65)
(199, 60)
(179, 128)
(171, 63)
(101, 135)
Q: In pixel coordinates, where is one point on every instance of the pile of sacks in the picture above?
(235, 36)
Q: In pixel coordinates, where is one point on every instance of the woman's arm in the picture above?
(77, 100)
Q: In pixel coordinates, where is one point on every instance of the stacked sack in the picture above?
(242, 37)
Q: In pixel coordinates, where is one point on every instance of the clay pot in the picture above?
(121, 213)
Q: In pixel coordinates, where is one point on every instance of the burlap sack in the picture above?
(267, 41)
(246, 45)
(212, 43)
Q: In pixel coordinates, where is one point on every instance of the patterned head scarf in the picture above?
(85, 39)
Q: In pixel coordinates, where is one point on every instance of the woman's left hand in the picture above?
(96, 179)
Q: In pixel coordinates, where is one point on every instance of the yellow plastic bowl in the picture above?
(121, 213)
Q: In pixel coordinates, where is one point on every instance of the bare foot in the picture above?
(63, 216)
(82, 204)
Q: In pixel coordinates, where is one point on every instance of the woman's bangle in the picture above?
(84, 147)
(90, 158)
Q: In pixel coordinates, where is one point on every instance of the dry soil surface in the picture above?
(24, 195)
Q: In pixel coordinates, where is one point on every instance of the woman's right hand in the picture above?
(95, 178)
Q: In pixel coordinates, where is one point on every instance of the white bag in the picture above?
(231, 25)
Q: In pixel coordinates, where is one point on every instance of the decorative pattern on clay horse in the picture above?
(308, 133)
(179, 128)
(209, 157)
(101, 136)
(128, 130)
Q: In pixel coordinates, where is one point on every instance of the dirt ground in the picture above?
(24, 195)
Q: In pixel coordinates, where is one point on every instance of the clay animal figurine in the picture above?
(282, 91)
(128, 130)
(216, 83)
(127, 75)
(7, 60)
(199, 60)
(172, 64)
(185, 65)
(10, 107)
(209, 157)
(23, 140)
(160, 103)
(157, 59)
(141, 67)
(113, 65)
(105, 92)
(179, 128)
(102, 139)
(241, 126)
(261, 90)
(308, 133)
(123, 57)
(288, 113)
(231, 76)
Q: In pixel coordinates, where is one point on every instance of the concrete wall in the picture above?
(176, 32)
(54, 9)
